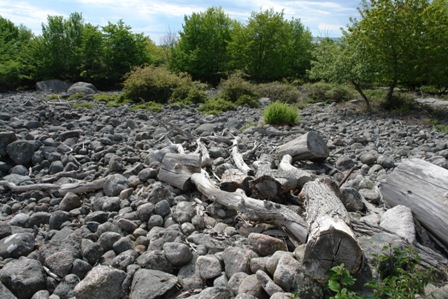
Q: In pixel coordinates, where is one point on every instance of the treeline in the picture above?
(394, 43)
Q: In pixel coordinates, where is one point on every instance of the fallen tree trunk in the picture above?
(254, 209)
(238, 159)
(233, 179)
(309, 146)
(176, 169)
(330, 240)
(422, 187)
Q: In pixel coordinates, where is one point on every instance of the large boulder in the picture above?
(55, 86)
(82, 87)
(20, 151)
(23, 277)
(101, 282)
(149, 284)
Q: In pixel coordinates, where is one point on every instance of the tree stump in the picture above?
(309, 146)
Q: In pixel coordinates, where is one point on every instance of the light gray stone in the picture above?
(102, 282)
(209, 266)
(400, 221)
(151, 284)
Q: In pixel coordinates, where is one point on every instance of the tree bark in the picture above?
(254, 209)
(422, 187)
(331, 240)
(309, 146)
(363, 95)
(176, 169)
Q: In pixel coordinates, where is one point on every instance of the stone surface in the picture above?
(150, 284)
(101, 282)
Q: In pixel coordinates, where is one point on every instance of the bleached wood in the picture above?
(176, 169)
(331, 240)
(238, 158)
(309, 146)
(422, 187)
(254, 209)
(233, 179)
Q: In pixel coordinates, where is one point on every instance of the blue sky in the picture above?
(156, 18)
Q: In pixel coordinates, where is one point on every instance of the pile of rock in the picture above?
(127, 234)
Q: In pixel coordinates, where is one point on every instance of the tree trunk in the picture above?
(176, 169)
(309, 146)
(331, 240)
(422, 187)
(363, 95)
(254, 209)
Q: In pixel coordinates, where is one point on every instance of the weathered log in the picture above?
(422, 187)
(233, 179)
(238, 158)
(309, 146)
(330, 240)
(272, 183)
(206, 161)
(254, 209)
(176, 169)
(78, 187)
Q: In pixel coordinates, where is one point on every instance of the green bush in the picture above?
(247, 100)
(235, 87)
(328, 92)
(216, 106)
(400, 102)
(76, 96)
(158, 84)
(279, 91)
(153, 106)
(279, 113)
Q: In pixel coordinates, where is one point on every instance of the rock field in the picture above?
(138, 237)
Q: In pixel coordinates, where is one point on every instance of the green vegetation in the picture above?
(160, 85)
(83, 105)
(216, 106)
(279, 113)
(153, 106)
(398, 275)
(279, 91)
(327, 92)
(76, 96)
(237, 89)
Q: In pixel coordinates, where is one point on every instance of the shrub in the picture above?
(158, 84)
(400, 102)
(248, 100)
(83, 105)
(328, 92)
(76, 96)
(153, 106)
(216, 105)
(279, 113)
(279, 91)
(235, 87)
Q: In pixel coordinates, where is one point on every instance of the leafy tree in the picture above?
(270, 47)
(13, 40)
(202, 47)
(341, 62)
(57, 52)
(392, 36)
(92, 55)
(122, 50)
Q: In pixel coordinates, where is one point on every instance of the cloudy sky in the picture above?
(156, 18)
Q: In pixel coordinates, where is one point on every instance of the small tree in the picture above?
(202, 47)
(341, 62)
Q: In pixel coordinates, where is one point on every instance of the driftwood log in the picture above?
(78, 187)
(233, 179)
(238, 158)
(176, 169)
(309, 146)
(272, 183)
(331, 240)
(254, 209)
(422, 187)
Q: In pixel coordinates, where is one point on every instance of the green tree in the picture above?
(341, 62)
(202, 47)
(13, 41)
(271, 47)
(122, 50)
(92, 55)
(57, 52)
(392, 36)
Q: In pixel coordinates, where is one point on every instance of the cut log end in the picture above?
(331, 248)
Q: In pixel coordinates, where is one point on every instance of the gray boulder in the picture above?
(237, 260)
(114, 184)
(20, 151)
(177, 254)
(17, 245)
(5, 139)
(101, 282)
(82, 87)
(149, 284)
(23, 277)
